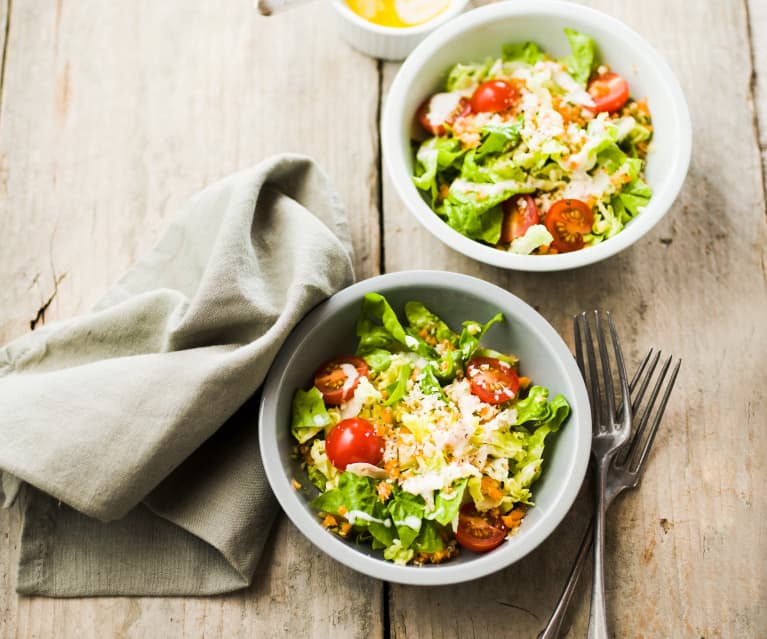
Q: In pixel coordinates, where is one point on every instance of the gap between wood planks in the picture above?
(379, 168)
(386, 588)
(754, 90)
(4, 53)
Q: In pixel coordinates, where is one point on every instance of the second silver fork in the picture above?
(626, 470)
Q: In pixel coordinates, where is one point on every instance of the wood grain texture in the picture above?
(757, 14)
(113, 115)
(686, 555)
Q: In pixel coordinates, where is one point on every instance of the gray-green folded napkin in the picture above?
(132, 430)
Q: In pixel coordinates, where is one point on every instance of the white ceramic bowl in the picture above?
(483, 32)
(329, 331)
(388, 43)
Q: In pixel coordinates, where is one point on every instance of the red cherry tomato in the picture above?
(493, 96)
(519, 214)
(338, 378)
(609, 92)
(479, 532)
(354, 440)
(567, 221)
(492, 380)
(441, 109)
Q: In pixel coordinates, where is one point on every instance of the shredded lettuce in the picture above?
(423, 351)
(537, 235)
(466, 173)
(466, 76)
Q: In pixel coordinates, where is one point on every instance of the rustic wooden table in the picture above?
(113, 113)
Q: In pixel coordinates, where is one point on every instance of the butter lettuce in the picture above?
(309, 415)
(581, 62)
(550, 146)
(371, 505)
(527, 52)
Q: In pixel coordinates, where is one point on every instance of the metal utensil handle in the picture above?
(598, 616)
(553, 627)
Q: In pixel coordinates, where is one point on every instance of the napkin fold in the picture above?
(132, 431)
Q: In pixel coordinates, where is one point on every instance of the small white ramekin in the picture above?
(388, 43)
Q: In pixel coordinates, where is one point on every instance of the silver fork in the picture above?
(609, 433)
(627, 467)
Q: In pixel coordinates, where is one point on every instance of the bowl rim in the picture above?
(395, 163)
(294, 506)
(453, 9)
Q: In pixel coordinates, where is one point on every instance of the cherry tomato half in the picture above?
(493, 96)
(441, 109)
(479, 532)
(609, 92)
(338, 378)
(519, 214)
(354, 440)
(492, 380)
(567, 220)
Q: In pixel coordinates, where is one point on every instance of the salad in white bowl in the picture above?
(549, 53)
(424, 442)
(534, 154)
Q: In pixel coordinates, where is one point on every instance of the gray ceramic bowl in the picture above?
(328, 331)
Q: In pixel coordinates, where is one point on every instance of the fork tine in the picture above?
(659, 412)
(595, 385)
(639, 395)
(622, 377)
(638, 374)
(583, 339)
(642, 381)
(607, 373)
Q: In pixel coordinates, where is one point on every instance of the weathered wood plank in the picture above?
(113, 114)
(686, 555)
(757, 14)
(3, 29)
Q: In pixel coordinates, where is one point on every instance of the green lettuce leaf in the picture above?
(448, 503)
(398, 389)
(535, 236)
(435, 156)
(496, 138)
(429, 539)
(378, 359)
(378, 327)
(527, 52)
(398, 554)
(608, 220)
(466, 76)
(429, 383)
(475, 219)
(406, 511)
(581, 62)
(322, 473)
(472, 334)
(635, 195)
(535, 407)
(421, 318)
(309, 415)
(355, 495)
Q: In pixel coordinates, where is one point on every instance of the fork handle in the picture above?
(598, 616)
(554, 625)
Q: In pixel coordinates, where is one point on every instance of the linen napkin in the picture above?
(132, 430)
